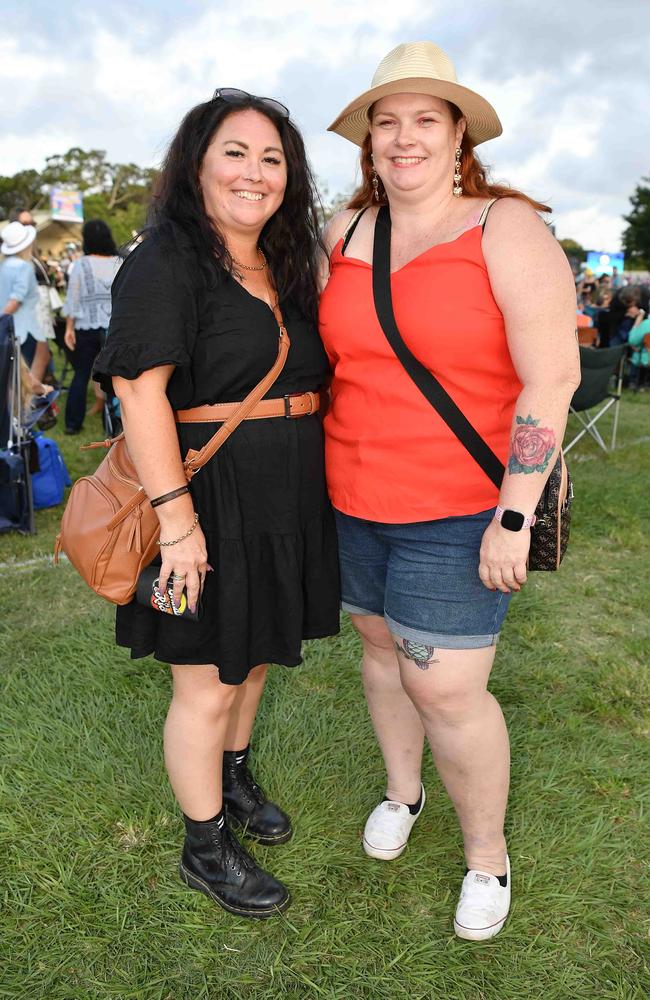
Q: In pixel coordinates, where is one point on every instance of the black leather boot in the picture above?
(214, 862)
(247, 805)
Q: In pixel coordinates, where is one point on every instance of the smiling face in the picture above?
(414, 140)
(244, 173)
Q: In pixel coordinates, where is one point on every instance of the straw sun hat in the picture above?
(418, 68)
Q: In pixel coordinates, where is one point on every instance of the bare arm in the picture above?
(150, 432)
(332, 233)
(533, 287)
(69, 336)
(12, 306)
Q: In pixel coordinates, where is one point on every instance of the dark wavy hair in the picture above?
(98, 238)
(475, 181)
(290, 238)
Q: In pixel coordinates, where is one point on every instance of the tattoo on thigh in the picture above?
(421, 654)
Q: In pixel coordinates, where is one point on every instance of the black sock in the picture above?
(414, 809)
(503, 879)
(219, 819)
(239, 756)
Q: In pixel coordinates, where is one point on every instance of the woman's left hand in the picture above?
(70, 339)
(503, 558)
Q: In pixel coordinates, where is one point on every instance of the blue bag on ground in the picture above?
(50, 482)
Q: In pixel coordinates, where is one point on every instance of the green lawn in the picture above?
(90, 833)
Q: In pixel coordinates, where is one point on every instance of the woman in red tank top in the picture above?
(430, 549)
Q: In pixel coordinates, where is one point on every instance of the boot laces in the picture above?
(236, 856)
(247, 782)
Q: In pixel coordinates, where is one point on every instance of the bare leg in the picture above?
(244, 709)
(399, 731)
(195, 731)
(40, 360)
(100, 398)
(469, 741)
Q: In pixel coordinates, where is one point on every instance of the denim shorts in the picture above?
(422, 578)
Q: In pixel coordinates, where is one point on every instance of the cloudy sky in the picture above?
(569, 80)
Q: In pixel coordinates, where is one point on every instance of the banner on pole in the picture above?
(66, 205)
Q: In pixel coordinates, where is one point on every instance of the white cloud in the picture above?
(567, 89)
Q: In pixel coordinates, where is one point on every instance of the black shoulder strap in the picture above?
(349, 232)
(486, 211)
(427, 383)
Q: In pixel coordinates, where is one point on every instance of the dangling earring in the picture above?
(457, 175)
(375, 180)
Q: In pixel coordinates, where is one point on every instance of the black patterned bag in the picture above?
(549, 536)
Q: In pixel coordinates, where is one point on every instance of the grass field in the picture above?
(90, 834)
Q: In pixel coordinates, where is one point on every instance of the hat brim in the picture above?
(482, 120)
(7, 250)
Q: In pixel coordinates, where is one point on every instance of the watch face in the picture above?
(513, 520)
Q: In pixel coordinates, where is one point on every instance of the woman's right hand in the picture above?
(69, 339)
(185, 563)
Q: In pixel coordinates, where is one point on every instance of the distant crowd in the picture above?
(611, 310)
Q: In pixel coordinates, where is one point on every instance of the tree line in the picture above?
(119, 193)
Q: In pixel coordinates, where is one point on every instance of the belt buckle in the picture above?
(288, 415)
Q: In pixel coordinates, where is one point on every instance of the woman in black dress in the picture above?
(233, 233)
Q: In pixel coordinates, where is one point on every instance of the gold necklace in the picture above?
(247, 267)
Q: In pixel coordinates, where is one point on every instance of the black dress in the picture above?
(262, 499)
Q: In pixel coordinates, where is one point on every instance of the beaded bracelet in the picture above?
(166, 497)
(187, 534)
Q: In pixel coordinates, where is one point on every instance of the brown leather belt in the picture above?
(298, 404)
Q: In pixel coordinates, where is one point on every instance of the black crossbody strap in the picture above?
(427, 383)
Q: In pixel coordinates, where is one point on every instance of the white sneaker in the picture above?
(387, 829)
(483, 905)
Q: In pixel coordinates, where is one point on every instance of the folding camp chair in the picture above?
(595, 390)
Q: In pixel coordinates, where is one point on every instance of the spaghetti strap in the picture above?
(349, 230)
(482, 219)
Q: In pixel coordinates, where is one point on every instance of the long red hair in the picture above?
(474, 181)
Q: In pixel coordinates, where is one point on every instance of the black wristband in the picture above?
(170, 496)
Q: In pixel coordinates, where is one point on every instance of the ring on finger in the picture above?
(179, 576)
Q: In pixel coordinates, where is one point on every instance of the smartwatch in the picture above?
(513, 520)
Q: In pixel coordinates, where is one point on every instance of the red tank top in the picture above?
(390, 456)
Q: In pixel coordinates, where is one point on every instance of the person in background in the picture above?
(601, 321)
(639, 341)
(45, 312)
(88, 311)
(628, 314)
(618, 280)
(19, 295)
(430, 549)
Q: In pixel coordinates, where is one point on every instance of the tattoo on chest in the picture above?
(531, 446)
(421, 654)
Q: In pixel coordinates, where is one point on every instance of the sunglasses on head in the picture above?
(233, 96)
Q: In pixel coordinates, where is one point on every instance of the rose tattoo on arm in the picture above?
(531, 447)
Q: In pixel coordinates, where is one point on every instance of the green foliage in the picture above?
(123, 220)
(636, 238)
(573, 249)
(118, 193)
(23, 190)
(94, 910)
